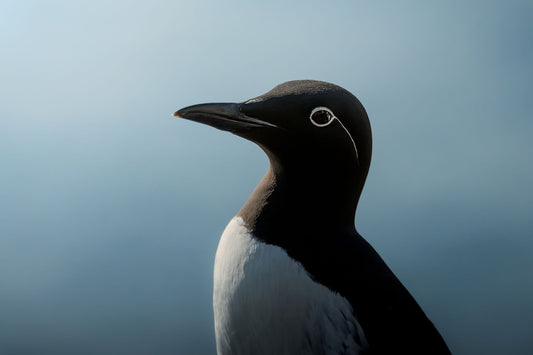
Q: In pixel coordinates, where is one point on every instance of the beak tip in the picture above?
(176, 114)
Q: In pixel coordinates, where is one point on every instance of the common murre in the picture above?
(292, 274)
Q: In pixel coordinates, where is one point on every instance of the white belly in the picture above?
(266, 303)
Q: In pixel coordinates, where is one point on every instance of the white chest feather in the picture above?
(266, 303)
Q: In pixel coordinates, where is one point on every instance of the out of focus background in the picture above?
(111, 209)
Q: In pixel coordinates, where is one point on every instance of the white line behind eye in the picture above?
(349, 135)
(333, 118)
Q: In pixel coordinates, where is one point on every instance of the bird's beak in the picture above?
(224, 116)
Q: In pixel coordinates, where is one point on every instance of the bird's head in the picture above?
(309, 125)
(317, 137)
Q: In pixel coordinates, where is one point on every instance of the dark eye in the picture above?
(321, 116)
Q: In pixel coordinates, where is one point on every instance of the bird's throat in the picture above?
(285, 204)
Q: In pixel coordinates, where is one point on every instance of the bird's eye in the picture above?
(321, 116)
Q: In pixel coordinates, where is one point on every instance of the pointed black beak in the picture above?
(224, 116)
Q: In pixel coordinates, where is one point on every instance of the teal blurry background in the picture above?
(110, 210)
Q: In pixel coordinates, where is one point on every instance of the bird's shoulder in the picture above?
(347, 264)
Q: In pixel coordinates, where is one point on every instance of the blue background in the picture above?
(110, 210)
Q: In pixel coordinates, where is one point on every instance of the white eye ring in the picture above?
(330, 114)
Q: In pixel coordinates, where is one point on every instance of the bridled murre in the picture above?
(292, 274)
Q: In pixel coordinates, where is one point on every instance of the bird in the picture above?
(292, 275)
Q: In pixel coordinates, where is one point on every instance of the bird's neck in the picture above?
(288, 202)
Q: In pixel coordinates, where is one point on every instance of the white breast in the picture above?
(266, 303)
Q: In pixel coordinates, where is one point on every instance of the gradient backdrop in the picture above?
(110, 209)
